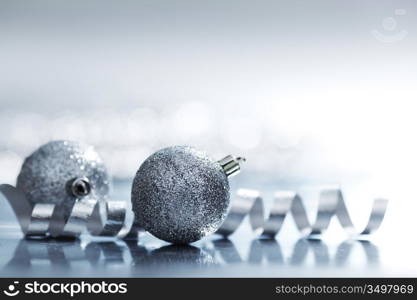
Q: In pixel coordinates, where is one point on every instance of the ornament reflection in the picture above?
(63, 256)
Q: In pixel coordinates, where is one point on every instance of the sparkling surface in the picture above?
(180, 195)
(46, 172)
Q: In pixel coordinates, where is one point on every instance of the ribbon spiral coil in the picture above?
(109, 218)
(99, 217)
(331, 204)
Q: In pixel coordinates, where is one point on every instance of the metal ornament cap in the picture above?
(180, 195)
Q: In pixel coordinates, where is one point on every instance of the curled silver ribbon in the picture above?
(331, 203)
(98, 217)
(109, 218)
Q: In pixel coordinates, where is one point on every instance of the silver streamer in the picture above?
(99, 218)
(331, 204)
(87, 214)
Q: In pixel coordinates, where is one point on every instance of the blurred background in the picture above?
(302, 88)
(310, 92)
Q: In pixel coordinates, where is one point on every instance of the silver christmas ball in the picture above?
(180, 195)
(60, 172)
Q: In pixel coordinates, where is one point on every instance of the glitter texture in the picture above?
(46, 172)
(180, 195)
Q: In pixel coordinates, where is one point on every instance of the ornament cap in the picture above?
(231, 165)
(79, 187)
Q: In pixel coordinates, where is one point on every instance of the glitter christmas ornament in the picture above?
(62, 191)
(61, 173)
(180, 195)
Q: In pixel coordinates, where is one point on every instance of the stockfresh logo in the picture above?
(12, 290)
(72, 288)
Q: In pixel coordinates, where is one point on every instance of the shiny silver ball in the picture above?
(60, 172)
(180, 195)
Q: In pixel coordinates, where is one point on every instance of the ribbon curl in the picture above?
(109, 218)
(331, 204)
(100, 217)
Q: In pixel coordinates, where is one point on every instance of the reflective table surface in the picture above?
(388, 253)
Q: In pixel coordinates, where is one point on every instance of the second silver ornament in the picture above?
(180, 194)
